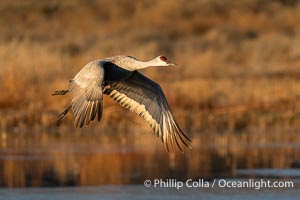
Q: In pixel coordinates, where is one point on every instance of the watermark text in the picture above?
(221, 183)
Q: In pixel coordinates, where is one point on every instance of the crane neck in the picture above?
(132, 64)
(145, 64)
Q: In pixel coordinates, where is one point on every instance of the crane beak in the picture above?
(172, 64)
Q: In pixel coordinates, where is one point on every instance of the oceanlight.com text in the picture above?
(221, 183)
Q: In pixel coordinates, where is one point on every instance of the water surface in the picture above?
(140, 192)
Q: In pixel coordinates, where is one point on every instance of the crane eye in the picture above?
(163, 58)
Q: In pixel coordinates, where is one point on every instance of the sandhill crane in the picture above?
(118, 77)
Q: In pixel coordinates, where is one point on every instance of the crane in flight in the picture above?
(118, 78)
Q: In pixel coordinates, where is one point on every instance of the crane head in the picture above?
(164, 61)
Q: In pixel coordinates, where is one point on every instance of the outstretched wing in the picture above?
(146, 98)
(86, 91)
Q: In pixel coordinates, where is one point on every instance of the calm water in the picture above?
(50, 167)
(141, 192)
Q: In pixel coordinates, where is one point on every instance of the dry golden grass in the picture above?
(238, 62)
(238, 69)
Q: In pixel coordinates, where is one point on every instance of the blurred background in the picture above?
(235, 91)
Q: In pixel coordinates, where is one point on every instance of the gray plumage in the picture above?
(118, 78)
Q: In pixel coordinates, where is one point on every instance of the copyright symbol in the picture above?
(147, 183)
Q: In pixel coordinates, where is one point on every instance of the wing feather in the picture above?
(86, 91)
(146, 98)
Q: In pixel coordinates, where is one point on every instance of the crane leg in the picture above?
(61, 115)
(60, 92)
